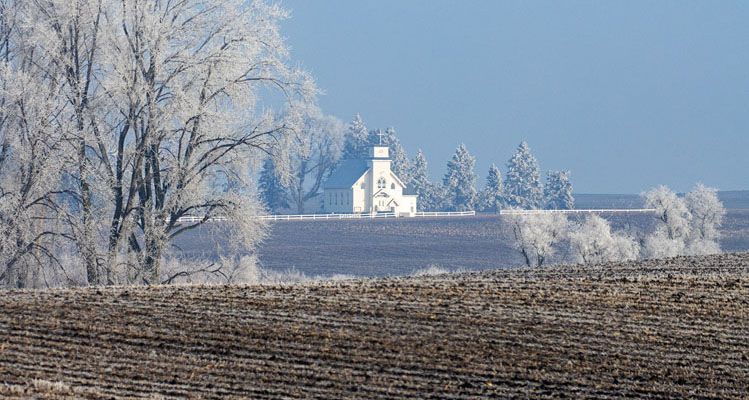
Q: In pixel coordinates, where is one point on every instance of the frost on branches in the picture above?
(492, 197)
(356, 140)
(558, 191)
(686, 226)
(460, 181)
(536, 235)
(313, 157)
(593, 242)
(119, 117)
(272, 190)
(523, 184)
(401, 165)
(429, 199)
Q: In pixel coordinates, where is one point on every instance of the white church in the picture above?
(367, 186)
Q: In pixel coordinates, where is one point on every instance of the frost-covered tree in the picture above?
(356, 140)
(272, 191)
(161, 110)
(313, 157)
(671, 211)
(492, 197)
(707, 212)
(686, 225)
(30, 196)
(672, 231)
(558, 191)
(523, 183)
(428, 199)
(460, 180)
(536, 235)
(401, 165)
(593, 242)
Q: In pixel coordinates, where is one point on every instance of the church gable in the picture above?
(397, 180)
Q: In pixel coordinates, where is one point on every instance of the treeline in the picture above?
(521, 187)
(688, 225)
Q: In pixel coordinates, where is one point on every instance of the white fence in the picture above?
(590, 211)
(314, 217)
(301, 217)
(444, 213)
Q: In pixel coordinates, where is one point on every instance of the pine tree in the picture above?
(460, 180)
(272, 192)
(523, 184)
(356, 141)
(428, 197)
(492, 197)
(401, 165)
(558, 191)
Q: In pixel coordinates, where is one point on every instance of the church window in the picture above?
(381, 183)
(392, 186)
(363, 185)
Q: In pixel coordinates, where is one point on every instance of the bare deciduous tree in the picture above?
(313, 157)
(687, 226)
(144, 112)
(536, 234)
(593, 242)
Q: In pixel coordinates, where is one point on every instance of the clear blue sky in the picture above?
(624, 94)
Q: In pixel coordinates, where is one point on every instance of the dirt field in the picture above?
(670, 329)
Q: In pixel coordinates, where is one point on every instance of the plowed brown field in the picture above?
(667, 329)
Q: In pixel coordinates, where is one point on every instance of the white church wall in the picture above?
(338, 200)
(360, 195)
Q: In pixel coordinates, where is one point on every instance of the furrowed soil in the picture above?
(661, 329)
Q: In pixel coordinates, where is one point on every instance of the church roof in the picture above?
(346, 174)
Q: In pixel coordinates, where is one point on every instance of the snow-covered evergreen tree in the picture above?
(272, 192)
(558, 191)
(357, 140)
(428, 196)
(523, 184)
(401, 165)
(460, 181)
(492, 197)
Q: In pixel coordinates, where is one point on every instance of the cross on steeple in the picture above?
(380, 134)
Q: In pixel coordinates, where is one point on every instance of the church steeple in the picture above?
(379, 152)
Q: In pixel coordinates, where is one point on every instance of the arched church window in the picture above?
(392, 186)
(381, 183)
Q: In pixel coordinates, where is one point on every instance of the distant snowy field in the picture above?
(402, 246)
